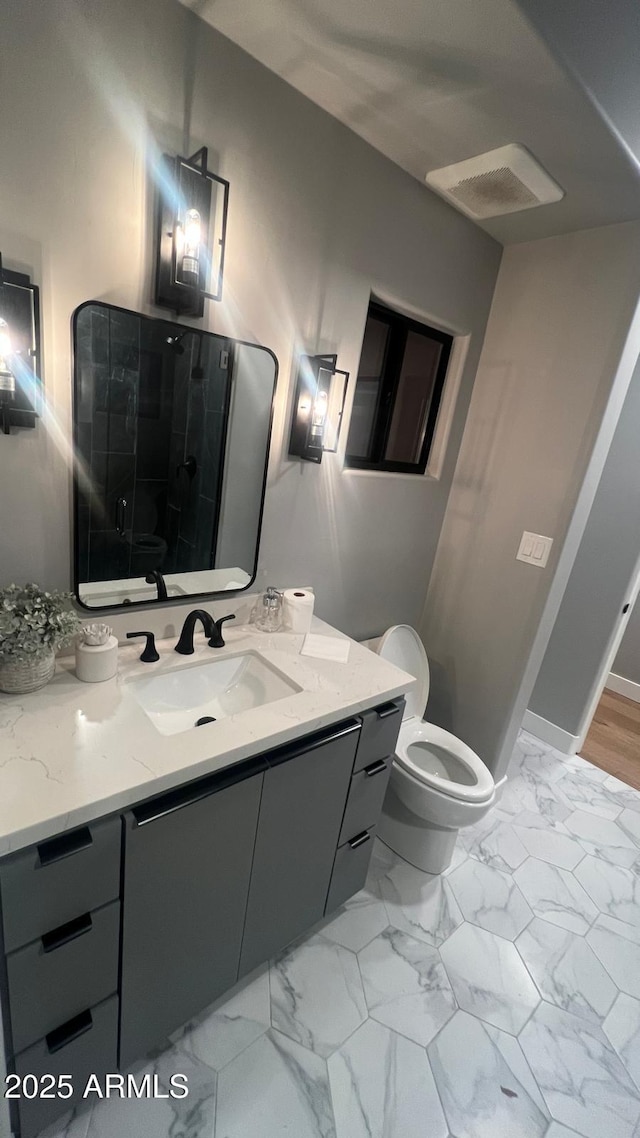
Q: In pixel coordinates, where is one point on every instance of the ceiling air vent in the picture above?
(501, 181)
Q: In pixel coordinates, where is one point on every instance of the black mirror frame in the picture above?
(183, 597)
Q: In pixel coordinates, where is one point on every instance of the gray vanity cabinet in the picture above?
(187, 863)
(116, 934)
(303, 801)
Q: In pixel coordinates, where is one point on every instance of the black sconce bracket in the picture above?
(191, 233)
(20, 392)
(318, 407)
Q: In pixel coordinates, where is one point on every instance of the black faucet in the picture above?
(155, 578)
(150, 653)
(216, 640)
(212, 630)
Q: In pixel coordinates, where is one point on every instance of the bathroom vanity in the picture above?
(144, 873)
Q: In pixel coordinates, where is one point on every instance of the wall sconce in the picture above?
(318, 407)
(191, 233)
(20, 395)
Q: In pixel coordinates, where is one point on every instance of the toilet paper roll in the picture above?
(97, 662)
(298, 609)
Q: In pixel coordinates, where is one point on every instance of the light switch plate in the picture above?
(534, 549)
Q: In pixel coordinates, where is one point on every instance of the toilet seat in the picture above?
(402, 646)
(433, 756)
(438, 759)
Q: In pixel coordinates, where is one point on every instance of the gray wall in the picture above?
(602, 575)
(317, 220)
(547, 395)
(627, 661)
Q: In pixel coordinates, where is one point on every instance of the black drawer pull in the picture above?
(359, 840)
(65, 933)
(192, 792)
(386, 710)
(65, 845)
(376, 768)
(61, 1036)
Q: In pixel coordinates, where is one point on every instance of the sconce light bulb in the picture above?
(192, 233)
(320, 408)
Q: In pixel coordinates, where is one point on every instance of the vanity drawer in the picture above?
(87, 1045)
(47, 885)
(366, 795)
(379, 733)
(68, 970)
(350, 869)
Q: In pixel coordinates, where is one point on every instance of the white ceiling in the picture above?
(431, 82)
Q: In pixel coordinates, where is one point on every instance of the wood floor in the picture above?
(613, 742)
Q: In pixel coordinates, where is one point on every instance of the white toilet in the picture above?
(438, 785)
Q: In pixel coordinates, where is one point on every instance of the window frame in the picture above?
(399, 328)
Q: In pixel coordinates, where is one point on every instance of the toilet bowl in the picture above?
(148, 552)
(438, 784)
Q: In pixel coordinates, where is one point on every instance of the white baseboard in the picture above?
(550, 733)
(623, 686)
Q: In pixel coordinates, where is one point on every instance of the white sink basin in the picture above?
(176, 700)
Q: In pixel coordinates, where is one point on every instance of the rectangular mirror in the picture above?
(171, 429)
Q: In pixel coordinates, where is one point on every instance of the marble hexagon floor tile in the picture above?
(540, 760)
(557, 1130)
(494, 842)
(585, 790)
(420, 904)
(550, 844)
(382, 1087)
(554, 894)
(406, 986)
(622, 1029)
(486, 1090)
(316, 994)
(629, 823)
(535, 797)
(275, 1087)
(72, 1125)
(216, 1039)
(616, 891)
(603, 838)
(190, 1117)
(357, 922)
(490, 899)
(534, 821)
(622, 794)
(566, 970)
(617, 946)
(489, 979)
(582, 1079)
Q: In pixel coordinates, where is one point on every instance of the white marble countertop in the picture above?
(72, 752)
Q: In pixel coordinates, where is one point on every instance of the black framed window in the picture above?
(403, 365)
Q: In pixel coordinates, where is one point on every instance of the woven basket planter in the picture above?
(19, 676)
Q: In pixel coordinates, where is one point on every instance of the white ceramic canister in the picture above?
(97, 662)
